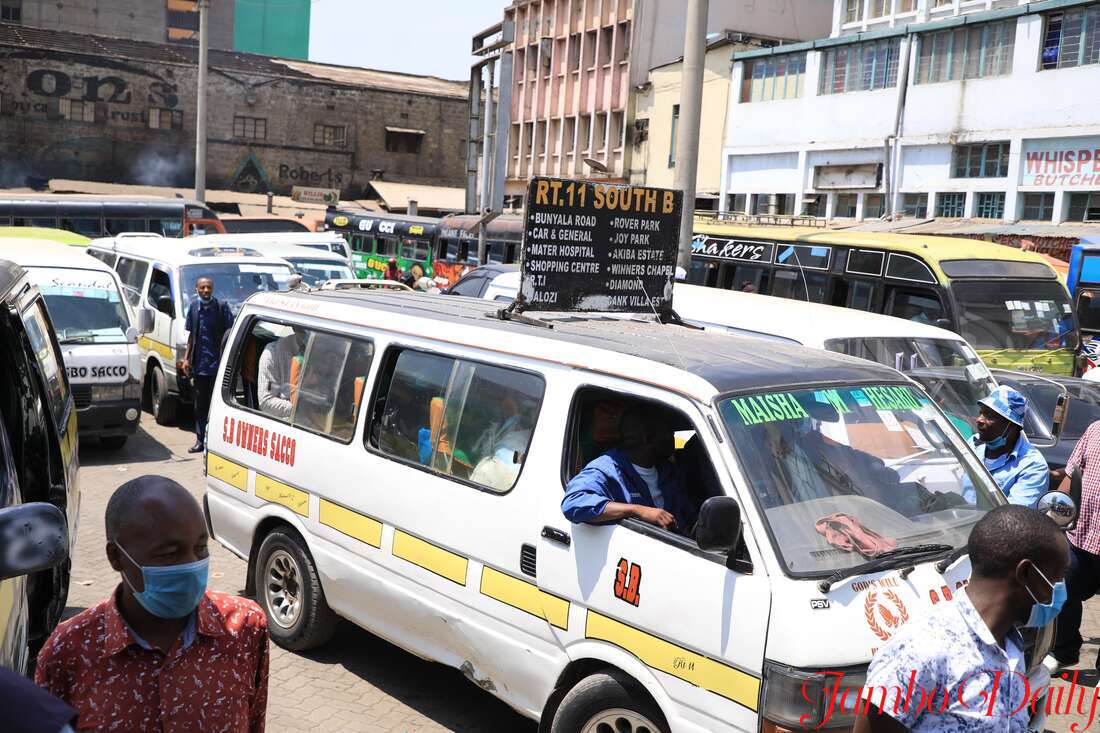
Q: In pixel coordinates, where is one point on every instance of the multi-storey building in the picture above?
(577, 64)
(933, 109)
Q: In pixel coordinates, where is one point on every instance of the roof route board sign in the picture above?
(592, 246)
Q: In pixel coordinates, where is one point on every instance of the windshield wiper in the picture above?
(945, 563)
(882, 561)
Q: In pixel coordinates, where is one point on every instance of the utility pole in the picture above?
(200, 105)
(691, 113)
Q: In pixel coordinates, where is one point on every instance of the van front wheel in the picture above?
(289, 589)
(164, 404)
(608, 701)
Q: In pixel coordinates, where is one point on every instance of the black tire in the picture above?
(298, 618)
(602, 694)
(164, 404)
(113, 442)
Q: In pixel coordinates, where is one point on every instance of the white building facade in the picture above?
(976, 109)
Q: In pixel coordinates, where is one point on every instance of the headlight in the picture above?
(800, 699)
(132, 390)
(108, 392)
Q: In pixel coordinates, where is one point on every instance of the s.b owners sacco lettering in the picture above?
(97, 372)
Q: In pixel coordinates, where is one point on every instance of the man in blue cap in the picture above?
(1017, 466)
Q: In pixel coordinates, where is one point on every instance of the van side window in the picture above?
(132, 274)
(306, 378)
(38, 331)
(107, 258)
(159, 285)
(463, 419)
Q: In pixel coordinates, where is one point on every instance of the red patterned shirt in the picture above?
(217, 683)
(1086, 458)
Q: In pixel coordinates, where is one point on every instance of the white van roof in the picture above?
(693, 362)
(279, 249)
(810, 324)
(43, 253)
(183, 251)
(270, 238)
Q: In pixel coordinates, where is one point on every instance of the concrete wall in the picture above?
(138, 20)
(120, 146)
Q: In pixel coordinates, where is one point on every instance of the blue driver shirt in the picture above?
(1022, 473)
(207, 322)
(612, 477)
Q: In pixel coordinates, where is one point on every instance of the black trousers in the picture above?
(203, 390)
(1082, 582)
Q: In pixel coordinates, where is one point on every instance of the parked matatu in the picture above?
(38, 420)
(1083, 281)
(377, 237)
(458, 241)
(1008, 304)
(460, 431)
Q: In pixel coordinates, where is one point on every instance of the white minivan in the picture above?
(316, 266)
(160, 274)
(406, 466)
(98, 332)
(324, 241)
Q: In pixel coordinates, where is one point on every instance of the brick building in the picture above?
(97, 108)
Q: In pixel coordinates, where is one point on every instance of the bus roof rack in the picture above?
(128, 235)
(741, 217)
(364, 284)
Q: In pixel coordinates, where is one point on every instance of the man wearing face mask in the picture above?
(970, 651)
(207, 320)
(278, 374)
(161, 653)
(1017, 466)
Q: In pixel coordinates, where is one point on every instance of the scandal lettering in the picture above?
(262, 442)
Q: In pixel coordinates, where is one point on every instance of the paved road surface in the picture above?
(357, 682)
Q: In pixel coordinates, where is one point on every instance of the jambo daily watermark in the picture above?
(975, 695)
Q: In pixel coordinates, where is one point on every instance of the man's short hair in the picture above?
(207, 278)
(1009, 534)
(644, 419)
(123, 504)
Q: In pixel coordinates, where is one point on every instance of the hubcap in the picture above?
(282, 589)
(619, 720)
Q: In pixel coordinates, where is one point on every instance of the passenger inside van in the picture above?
(277, 377)
(634, 479)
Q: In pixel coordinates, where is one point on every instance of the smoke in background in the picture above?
(15, 172)
(162, 168)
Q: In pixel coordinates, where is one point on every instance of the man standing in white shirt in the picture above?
(965, 660)
(273, 383)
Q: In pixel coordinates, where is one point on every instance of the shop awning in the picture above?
(396, 196)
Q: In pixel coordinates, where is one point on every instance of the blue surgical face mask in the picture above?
(1000, 440)
(171, 591)
(1043, 613)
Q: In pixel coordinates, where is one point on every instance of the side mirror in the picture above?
(131, 335)
(1061, 412)
(719, 524)
(166, 306)
(943, 323)
(1059, 507)
(34, 536)
(145, 320)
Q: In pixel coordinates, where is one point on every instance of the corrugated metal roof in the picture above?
(19, 36)
(396, 196)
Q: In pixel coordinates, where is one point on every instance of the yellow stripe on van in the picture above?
(161, 348)
(226, 470)
(353, 524)
(699, 670)
(293, 499)
(525, 596)
(430, 557)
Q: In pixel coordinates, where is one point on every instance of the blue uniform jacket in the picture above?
(611, 477)
(1022, 473)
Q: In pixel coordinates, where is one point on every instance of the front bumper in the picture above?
(108, 418)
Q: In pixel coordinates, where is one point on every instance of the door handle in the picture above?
(556, 535)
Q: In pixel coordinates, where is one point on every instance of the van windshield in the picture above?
(85, 306)
(235, 281)
(949, 370)
(842, 474)
(1017, 314)
(315, 272)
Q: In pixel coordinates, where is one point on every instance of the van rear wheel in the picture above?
(289, 589)
(164, 404)
(608, 702)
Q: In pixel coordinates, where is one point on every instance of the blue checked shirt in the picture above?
(1022, 473)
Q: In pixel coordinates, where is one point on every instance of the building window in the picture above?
(845, 206)
(672, 140)
(813, 205)
(914, 204)
(774, 77)
(852, 11)
(906, 6)
(1084, 206)
(879, 8)
(11, 11)
(860, 67)
(1039, 206)
(399, 140)
(250, 128)
(328, 135)
(970, 52)
(990, 206)
(165, 119)
(738, 203)
(77, 110)
(874, 205)
(981, 160)
(1072, 38)
(951, 205)
(183, 22)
